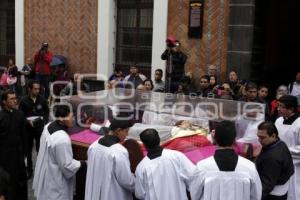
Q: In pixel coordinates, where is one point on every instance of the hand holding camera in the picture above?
(172, 44)
(44, 49)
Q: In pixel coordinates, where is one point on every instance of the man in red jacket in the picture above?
(42, 60)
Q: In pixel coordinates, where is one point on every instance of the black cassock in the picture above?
(12, 148)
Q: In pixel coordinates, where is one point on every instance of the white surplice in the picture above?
(108, 173)
(164, 177)
(290, 134)
(209, 183)
(54, 177)
(246, 128)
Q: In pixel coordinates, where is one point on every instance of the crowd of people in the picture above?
(161, 173)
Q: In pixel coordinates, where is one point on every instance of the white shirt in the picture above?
(108, 173)
(246, 128)
(55, 170)
(209, 183)
(163, 178)
(290, 134)
(296, 89)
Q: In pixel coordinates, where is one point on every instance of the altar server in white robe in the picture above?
(108, 172)
(225, 176)
(288, 126)
(163, 173)
(55, 170)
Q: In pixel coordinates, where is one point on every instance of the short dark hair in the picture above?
(118, 69)
(149, 81)
(225, 133)
(4, 183)
(61, 111)
(32, 82)
(269, 127)
(205, 77)
(150, 138)
(289, 101)
(263, 86)
(250, 85)
(5, 94)
(117, 123)
(160, 71)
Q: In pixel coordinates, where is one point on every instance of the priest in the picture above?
(163, 173)
(274, 164)
(54, 176)
(13, 145)
(288, 126)
(225, 175)
(108, 172)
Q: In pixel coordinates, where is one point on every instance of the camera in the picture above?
(44, 46)
(170, 44)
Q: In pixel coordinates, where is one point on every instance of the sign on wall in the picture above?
(195, 18)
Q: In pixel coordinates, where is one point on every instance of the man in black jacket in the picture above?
(274, 164)
(13, 145)
(36, 110)
(175, 69)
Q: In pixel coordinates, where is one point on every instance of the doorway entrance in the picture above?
(277, 40)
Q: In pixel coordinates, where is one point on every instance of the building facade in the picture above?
(97, 35)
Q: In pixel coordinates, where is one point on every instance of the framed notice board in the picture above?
(195, 18)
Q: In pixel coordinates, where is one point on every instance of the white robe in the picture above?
(108, 173)
(164, 177)
(209, 183)
(54, 177)
(290, 134)
(246, 128)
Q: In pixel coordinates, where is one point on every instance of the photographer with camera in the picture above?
(175, 63)
(42, 60)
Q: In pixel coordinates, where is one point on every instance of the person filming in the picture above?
(175, 63)
(42, 60)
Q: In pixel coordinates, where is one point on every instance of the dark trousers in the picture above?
(271, 197)
(32, 134)
(12, 161)
(171, 87)
(17, 190)
(44, 82)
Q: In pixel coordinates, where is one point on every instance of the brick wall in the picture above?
(212, 48)
(70, 28)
